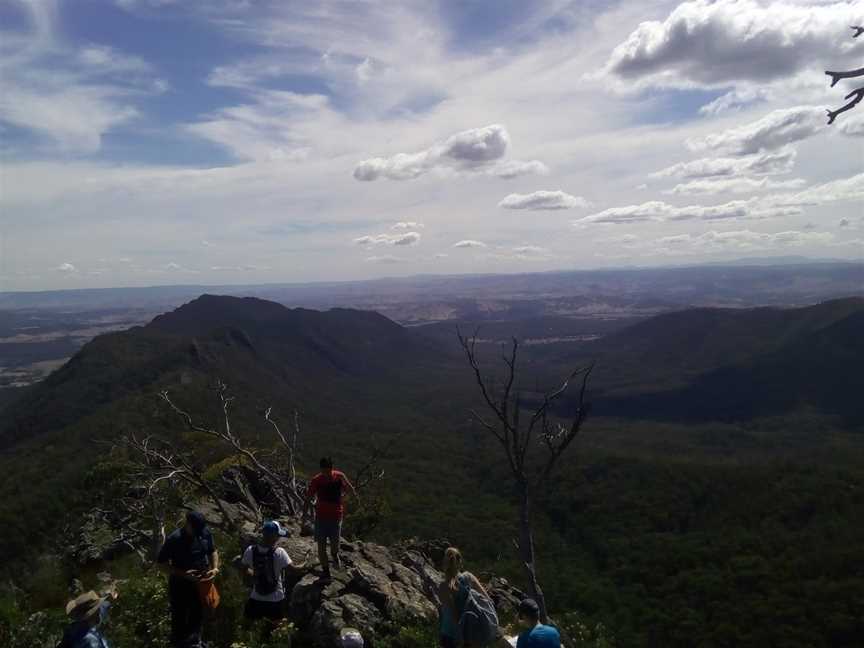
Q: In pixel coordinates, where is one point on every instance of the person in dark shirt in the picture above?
(535, 635)
(188, 556)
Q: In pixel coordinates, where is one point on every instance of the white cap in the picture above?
(351, 638)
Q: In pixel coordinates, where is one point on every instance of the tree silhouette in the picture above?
(854, 97)
(551, 435)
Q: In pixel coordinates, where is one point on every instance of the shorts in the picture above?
(273, 610)
(328, 530)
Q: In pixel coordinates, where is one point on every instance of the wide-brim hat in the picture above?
(85, 606)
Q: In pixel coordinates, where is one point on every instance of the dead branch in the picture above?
(226, 435)
(858, 95)
(854, 97)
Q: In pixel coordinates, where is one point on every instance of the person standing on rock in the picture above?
(188, 556)
(328, 489)
(266, 564)
(535, 635)
(453, 593)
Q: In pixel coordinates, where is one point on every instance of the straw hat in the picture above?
(85, 606)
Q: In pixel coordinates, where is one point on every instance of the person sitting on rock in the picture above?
(188, 556)
(453, 594)
(535, 634)
(328, 489)
(266, 564)
(86, 613)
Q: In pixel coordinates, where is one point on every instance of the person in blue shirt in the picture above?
(86, 613)
(535, 635)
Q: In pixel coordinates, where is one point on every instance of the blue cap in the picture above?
(272, 527)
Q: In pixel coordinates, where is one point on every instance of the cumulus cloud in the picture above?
(709, 43)
(386, 258)
(478, 150)
(656, 210)
(734, 185)
(546, 200)
(766, 163)
(842, 190)
(739, 240)
(469, 243)
(407, 225)
(853, 126)
(776, 129)
(401, 239)
(66, 268)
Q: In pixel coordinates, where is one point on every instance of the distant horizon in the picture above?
(740, 262)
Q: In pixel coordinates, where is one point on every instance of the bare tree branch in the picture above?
(517, 440)
(854, 97)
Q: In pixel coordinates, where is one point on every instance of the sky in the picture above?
(153, 142)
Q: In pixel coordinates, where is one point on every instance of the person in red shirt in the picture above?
(328, 488)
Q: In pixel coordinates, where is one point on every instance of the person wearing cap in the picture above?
(351, 638)
(266, 564)
(188, 556)
(328, 488)
(535, 634)
(85, 612)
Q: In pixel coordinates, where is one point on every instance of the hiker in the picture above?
(454, 592)
(535, 635)
(86, 613)
(266, 564)
(328, 488)
(189, 557)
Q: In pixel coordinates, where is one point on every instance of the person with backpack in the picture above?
(535, 634)
(328, 488)
(86, 613)
(266, 564)
(467, 614)
(189, 557)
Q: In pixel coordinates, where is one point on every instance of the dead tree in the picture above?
(518, 438)
(227, 435)
(854, 97)
(161, 466)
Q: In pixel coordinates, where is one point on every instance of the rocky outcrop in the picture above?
(375, 588)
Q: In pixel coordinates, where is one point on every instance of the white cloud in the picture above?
(469, 243)
(402, 239)
(739, 240)
(407, 225)
(543, 200)
(766, 163)
(659, 211)
(852, 125)
(365, 70)
(386, 258)
(714, 43)
(475, 150)
(844, 189)
(69, 95)
(66, 268)
(734, 100)
(776, 129)
(734, 185)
